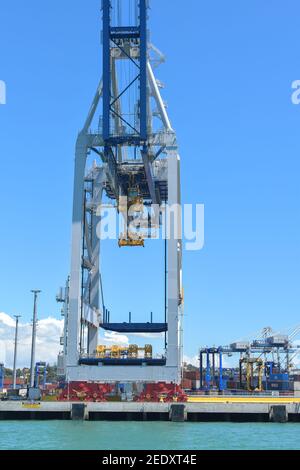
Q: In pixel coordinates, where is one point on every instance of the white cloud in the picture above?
(48, 346)
(194, 361)
(148, 335)
(112, 337)
(6, 320)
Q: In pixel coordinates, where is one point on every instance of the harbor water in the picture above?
(104, 435)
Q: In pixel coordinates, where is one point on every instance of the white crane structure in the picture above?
(137, 164)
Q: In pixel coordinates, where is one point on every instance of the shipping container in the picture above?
(240, 346)
(231, 384)
(295, 386)
(281, 386)
(195, 384)
(279, 377)
(191, 374)
(278, 340)
(186, 384)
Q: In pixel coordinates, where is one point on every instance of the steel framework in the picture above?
(136, 152)
(1, 375)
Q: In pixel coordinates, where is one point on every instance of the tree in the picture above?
(51, 373)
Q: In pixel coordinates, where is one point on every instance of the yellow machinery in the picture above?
(130, 241)
(114, 351)
(133, 351)
(119, 352)
(101, 351)
(148, 351)
(131, 206)
(253, 365)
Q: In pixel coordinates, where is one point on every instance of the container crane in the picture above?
(137, 165)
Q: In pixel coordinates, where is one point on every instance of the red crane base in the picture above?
(98, 392)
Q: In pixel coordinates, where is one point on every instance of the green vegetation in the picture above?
(24, 374)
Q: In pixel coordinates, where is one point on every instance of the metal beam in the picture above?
(149, 176)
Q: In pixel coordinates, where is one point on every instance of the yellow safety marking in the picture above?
(270, 400)
(31, 405)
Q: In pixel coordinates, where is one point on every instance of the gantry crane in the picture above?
(137, 166)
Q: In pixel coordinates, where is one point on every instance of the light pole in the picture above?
(34, 321)
(15, 353)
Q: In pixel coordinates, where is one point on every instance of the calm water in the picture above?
(150, 435)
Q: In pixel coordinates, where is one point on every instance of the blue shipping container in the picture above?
(278, 385)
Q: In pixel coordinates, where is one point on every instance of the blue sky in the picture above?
(228, 79)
